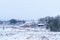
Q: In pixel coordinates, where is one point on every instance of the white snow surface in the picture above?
(28, 34)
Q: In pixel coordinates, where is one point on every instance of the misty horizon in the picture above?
(32, 9)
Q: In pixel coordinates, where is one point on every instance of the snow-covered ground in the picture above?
(28, 34)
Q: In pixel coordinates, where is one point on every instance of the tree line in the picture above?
(52, 23)
(13, 22)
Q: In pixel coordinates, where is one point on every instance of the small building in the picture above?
(41, 25)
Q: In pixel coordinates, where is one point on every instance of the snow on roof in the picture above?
(41, 24)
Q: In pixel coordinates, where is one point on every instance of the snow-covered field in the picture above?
(28, 34)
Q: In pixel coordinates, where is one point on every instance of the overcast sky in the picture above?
(28, 9)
